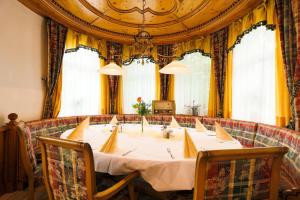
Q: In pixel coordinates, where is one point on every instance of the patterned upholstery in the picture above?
(65, 123)
(209, 122)
(238, 179)
(243, 131)
(290, 169)
(132, 119)
(99, 119)
(154, 119)
(28, 145)
(184, 120)
(266, 136)
(36, 129)
(52, 127)
(166, 119)
(193, 120)
(67, 172)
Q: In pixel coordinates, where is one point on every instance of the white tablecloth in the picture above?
(148, 153)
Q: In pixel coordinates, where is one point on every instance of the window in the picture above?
(253, 80)
(80, 83)
(138, 81)
(193, 88)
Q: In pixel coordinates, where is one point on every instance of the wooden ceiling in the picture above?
(167, 21)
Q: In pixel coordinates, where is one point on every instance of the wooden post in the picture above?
(13, 173)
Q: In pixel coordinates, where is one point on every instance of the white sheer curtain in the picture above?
(80, 83)
(253, 80)
(193, 87)
(138, 81)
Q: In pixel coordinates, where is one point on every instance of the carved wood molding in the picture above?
(52, 9)
(152, 25)
(148, 9)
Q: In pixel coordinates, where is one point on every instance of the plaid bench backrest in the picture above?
(243, 131)
(154, 119)
(184, 120)
(132, 119)
(209, 122)
(95, 119)
(290, 169)
(49, 127)
(65, 123)
(266, 136)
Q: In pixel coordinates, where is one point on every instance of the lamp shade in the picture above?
(111, 69)
(175, 67)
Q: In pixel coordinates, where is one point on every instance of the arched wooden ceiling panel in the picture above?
(166, 20)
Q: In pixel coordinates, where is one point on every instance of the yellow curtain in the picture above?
(104, 96)
(171, 88)
(227, 107)
(213, 102)
(74, 40)
(120, 96)
(57, 96)
(283, 112)
(157, 82)
(203, 43)
(264, 13)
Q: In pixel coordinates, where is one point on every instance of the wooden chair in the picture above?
(68, 168)
(238, 173)
(32, 169)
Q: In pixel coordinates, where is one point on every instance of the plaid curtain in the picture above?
(113, 80)
(288, 40)
(56, 46)
(219, 56)
(165, 50)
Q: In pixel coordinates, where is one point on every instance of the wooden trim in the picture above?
(53, 10)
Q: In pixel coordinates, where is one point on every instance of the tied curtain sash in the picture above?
(219, 57)
(114, 81)
(165, 79)
(56, 45)
(288, 38)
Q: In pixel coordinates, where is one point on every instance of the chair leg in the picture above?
(131, 191)
(31, 191)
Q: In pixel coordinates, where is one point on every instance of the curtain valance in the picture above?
(76, 40)
(264, 14)
(201, 45)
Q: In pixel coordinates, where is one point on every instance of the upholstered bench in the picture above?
(249, 134)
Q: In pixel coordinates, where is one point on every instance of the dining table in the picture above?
(159, 159)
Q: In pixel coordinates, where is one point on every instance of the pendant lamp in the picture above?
(175, 67)
(111, 69)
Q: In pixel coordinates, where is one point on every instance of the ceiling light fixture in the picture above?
(143, 40)
(111, 69)
(175, 67)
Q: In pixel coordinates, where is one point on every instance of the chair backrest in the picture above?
(26, 149)
(238, 173)
(68, 168)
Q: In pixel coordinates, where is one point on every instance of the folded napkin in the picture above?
(77, 133)
(174, 123)
(190, 150)
(199, 126)
(114, 120)
(145, 122)
(221, 133)
(111, 144)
